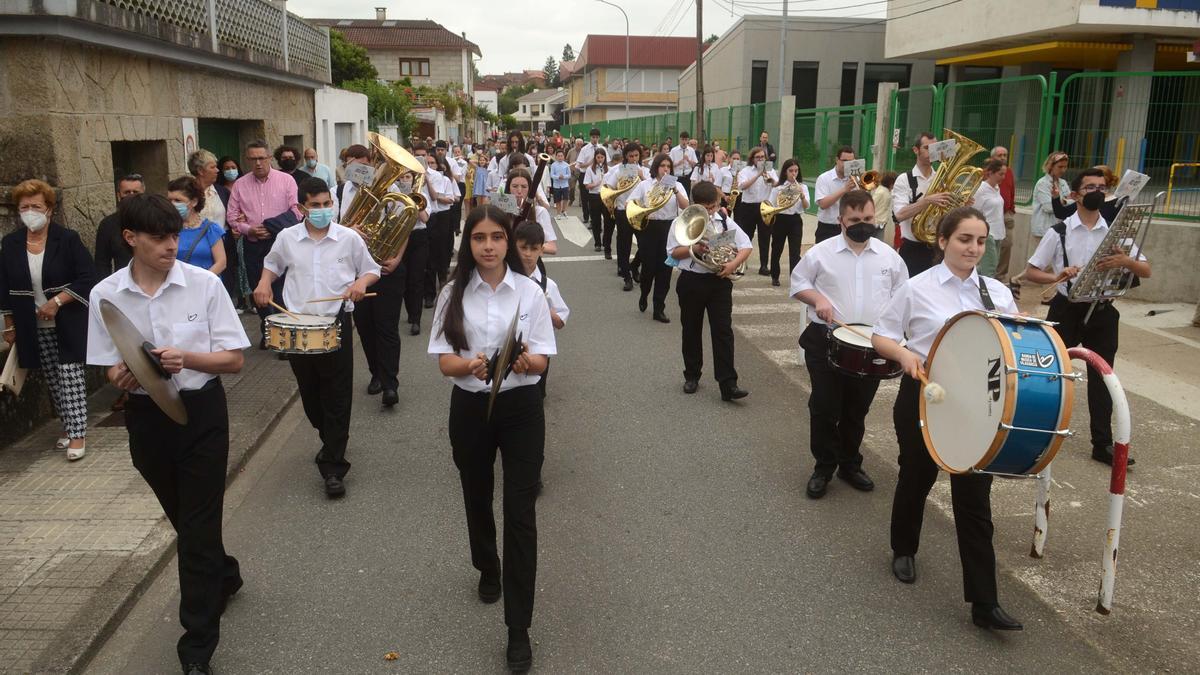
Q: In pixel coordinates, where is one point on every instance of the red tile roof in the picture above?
(398, 34)
(645, 51)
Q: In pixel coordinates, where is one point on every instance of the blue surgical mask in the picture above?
(310, 163)
(183, 210)
(231, 174)
(320, 218)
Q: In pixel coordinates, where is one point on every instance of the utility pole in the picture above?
(782, 49)
(700, 139)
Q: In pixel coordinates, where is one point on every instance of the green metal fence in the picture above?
(818, 133)
(913, 111)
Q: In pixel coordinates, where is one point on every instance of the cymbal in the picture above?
(502, 361)
(135, 352)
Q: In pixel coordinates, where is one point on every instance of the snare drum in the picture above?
(303, 334)
(851, 354)
(1009, 390)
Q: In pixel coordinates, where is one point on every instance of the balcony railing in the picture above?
(257, 31)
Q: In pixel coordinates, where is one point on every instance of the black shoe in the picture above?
(636, 273)
(390, 397)
(334, 487)
(608, 255)
(732, 393)
(661, 317)
(489, 587)
(817, 486)
(1105, 454)
(414, 329)
(428, 304)
(520, 653)
(628, 284)
(774, 282)
(596, 249)
(690, 386)
(642, 304)
(764, 272)
(993, 616)
(374, 387)
(198, 669)
(905, 568)
(857, 479)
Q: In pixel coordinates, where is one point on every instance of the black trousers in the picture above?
(652, 251)
(1099, 334)
(625, 235)
(229, 276)
(837, 406)
(378, 322)
(788, 229)
(518, 428)
(438, 263)
(916, 256)
(699, 293)
(414, 264)
(326, 384)
(749, 218)
(686, 182)
(970, 496)
(185, 466)
(255, 252)
(827, 230)
(602, 223)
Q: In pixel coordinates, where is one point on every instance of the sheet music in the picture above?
(942, 150)
(669, 181)
(506, 203)
(855, 167)
(360, 174)
(1131, 185)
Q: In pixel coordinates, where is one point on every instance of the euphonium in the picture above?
(954, 176)
(691, 227)
(609, 195)
(787, 199)
(385, 228)
(656, 198)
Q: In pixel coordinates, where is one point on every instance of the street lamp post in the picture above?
(626, 87)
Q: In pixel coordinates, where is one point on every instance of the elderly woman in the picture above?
(46, 274)
(1050, 188)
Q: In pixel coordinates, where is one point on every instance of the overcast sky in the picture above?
(519, 34)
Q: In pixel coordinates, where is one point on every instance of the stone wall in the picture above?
(62, 104)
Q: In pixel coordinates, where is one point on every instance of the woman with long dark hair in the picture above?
(472, 317)
(652, 239)
(789, 223)
(601, 221)
(631, 162)
(755, 182)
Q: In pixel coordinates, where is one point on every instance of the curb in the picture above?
(112, 602)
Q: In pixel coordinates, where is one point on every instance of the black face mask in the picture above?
(860, 232)
(288, 165)
(1092, 201)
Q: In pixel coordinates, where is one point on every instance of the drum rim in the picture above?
(1010, 402)
(1067, 405)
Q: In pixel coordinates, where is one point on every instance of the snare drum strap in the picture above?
(985, 297)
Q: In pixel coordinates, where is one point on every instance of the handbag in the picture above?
(12, 378)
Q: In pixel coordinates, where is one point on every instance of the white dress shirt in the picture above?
(587, 154)
(440, 184)
(190, 311)
(614, 175)
(718, 223)
(214, 208)
(503, 165)
(680, 153)
(796, 208)
(759, 189)
(922, 306)
(902, 196)
(553, 296)
(594, 175)
(318, 268)
(667, 212)
(542, 216)
(487, 314)
(710, 173)
(458, 165)
(858, 285)
(1081, 246)
(827, 184)
(725, 179)
(989, 202)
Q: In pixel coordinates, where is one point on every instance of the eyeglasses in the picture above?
(1103, 189)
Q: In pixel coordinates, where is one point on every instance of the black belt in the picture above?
(183, 393)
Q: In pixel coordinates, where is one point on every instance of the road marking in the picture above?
(554, 260)
(760, 291)
(574, 230)
(768, 308)
(769, 330)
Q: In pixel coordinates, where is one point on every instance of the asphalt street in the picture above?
(674, 535)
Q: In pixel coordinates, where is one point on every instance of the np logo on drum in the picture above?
(993, 379)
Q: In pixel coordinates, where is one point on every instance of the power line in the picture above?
(667, 17)
(690, 4)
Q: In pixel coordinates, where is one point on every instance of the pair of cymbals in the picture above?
(137, 353)
(501, 363)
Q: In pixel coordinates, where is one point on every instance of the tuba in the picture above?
(954, 176)
(624, 184)
(691, 227)
(371, 212)
(656, 198)
(787, 199)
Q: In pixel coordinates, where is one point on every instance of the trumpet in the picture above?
(867, 181)
(693, 226)
(657, 198)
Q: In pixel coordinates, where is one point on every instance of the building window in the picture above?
(643, 81)
(804, 84)
(849, 83)
(883, 72)
(941, 74)
(758, 81)
(535, 109)
(417, 67)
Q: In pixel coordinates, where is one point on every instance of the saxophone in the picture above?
(954, 176)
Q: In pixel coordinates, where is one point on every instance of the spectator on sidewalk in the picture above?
(316, 169)
(572, 157)
(235, 265)
(560, 179)
(289, 162)
(200, 241)
(111, 254)
(46, 275)
(185, 465)
(1008, 192)
(1050, 188)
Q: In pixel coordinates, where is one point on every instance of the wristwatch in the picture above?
(57, 301)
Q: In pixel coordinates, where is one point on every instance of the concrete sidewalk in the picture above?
(79, 541)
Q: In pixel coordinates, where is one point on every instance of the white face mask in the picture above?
(34, 220)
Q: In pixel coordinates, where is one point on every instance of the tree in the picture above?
(568, 53)
(710, 39)
(348, 61)
(508, 97)
(386, 103)
(550, 70)
(508, 122)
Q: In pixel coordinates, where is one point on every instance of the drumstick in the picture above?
(272, 303)
(854, 330)
(934, 392)
(338, 297)
(1054, 286)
